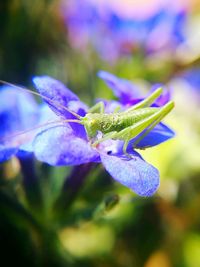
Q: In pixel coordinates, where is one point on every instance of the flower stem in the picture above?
(31, 181)
(72, 186)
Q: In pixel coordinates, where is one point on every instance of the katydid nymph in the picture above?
(127, 124)
(119, 125)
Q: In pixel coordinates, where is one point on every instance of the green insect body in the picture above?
(107, 123)
(127, 124)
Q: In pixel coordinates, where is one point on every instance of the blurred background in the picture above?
(146, 42)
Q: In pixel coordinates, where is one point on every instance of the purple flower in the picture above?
(18, 113)
(115, 28)
(67, 143)
(123, 89)
(128, 93)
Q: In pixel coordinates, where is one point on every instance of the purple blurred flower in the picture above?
(115, 28)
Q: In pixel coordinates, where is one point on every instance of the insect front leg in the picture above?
(107, 136)
(97, 108)
(117, 109)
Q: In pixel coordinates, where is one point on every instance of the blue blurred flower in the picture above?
(68, 144)
(192, 77)
(18, 112)
(115, 28)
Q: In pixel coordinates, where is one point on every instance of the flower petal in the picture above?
(18, 113)
(159, 134)
(123, 89)
(128, 93)
(134, 173)
(7, 153)
(57, 96)
(59, 146)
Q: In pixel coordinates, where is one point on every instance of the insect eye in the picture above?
(93, 122)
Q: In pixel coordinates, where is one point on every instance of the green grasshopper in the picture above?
(127, 124)
(124, 125)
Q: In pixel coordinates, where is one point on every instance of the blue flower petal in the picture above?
(134, 173)
(24, 154)
(46, 114)
(123, 89)
(18, 113)
(57, 95)
(7, 153)
(159, 134)
(60, 146)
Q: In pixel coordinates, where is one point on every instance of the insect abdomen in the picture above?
(120, 121)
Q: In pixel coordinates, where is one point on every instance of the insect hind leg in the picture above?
(149, 123)
(148, 101)
(148, 130)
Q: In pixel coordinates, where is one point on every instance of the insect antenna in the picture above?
(45, 97)
(37, 127)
